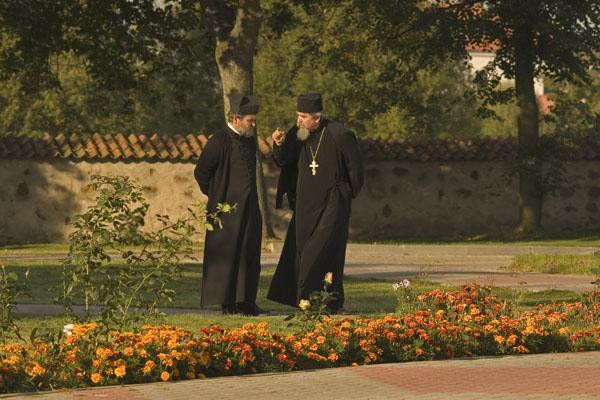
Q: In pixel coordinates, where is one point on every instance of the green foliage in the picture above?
(375, 86)
(556, 264)
(314, 309)
(116, 220)
(11, 287)
(159, 78)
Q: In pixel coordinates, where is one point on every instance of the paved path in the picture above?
(574, 376)
(459, 264)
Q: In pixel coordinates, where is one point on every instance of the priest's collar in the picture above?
(233, 129)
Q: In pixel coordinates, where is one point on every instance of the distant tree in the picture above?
(555, 39)
(110, 66)
(372, 76)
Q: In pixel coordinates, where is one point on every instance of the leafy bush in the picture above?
(114, 225)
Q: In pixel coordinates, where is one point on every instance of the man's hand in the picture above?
(278, 136)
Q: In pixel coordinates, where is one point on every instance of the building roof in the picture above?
(180, 148)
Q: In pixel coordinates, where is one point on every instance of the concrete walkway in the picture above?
(460, 264)
(574, 376)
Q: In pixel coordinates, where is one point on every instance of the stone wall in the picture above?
(400, 198)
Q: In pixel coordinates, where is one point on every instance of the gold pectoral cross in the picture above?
(314, 167)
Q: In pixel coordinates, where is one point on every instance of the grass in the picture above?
(557, 264)
(43, 249)
(558, 239)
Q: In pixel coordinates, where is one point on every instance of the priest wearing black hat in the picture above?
(321, 172)
(225, 172)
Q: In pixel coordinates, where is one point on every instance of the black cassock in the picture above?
(318, 232)
(226, 173)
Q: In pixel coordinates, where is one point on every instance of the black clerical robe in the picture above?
(318, 232)
(226, 173)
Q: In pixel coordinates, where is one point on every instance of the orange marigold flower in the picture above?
(511, 340)
(419, 351)
(95, 378)
(262, 325)
(120, 371)
(165, 376)
(34, 369)
(128, 351)
(148, 367)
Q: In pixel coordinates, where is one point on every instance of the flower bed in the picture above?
(468, 322)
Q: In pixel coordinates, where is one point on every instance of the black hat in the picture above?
(310, 103)
(243, 104)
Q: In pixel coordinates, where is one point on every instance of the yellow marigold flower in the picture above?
(34, 369)
(563, 331)
(95, 378)
(328, 278)
(120, 371)
(165, 376)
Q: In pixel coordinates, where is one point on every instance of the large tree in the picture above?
(555, 39)
(236, 27)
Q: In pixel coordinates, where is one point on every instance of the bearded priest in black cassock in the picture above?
(321, 172)
(226, 173)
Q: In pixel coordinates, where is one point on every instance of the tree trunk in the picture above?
(234, 53)
(530, 166)
(261, 185)
(234, 50)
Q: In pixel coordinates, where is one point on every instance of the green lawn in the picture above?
(557, 264)
(579, 239)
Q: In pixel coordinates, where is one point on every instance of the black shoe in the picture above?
(227, 309)
(250, 309)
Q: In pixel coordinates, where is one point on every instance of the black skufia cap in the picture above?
(310, 103)
(243, 104)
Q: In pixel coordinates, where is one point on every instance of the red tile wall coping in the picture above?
(187, 148)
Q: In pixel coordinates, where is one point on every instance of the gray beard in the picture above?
(248, 134)
(303, 133)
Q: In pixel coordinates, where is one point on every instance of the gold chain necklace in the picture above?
(313, 165)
